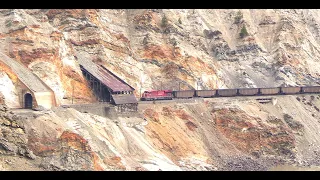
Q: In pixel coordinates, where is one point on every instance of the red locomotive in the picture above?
(156, 95)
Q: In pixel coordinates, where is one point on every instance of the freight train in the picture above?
(169, 94)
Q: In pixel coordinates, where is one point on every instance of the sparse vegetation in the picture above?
(8, 23)
(146, 40)
(65, 22)
(295, 125)
(208, 34)
(238, 17)
(173, 41)
(243, 32)
(312, 98)
(164, 21)
(274, 120)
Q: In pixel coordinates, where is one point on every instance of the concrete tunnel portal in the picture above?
(28, 101)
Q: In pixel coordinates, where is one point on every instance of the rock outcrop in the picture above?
(153, 49)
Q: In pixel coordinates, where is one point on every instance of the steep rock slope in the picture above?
(153, 49)
(203, 134)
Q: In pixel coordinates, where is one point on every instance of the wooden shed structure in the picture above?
(107, 86)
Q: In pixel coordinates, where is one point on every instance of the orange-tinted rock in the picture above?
(75, 141)
(75, 13)
(151, 114)
(159, 52)
(183, 115)
(122, 38)
(55, 35)
(69, 72)
(191, 125)
(43, 146)
(84, 43)
(9, 72)
(237, 127)
(115, 162)
(167, 111)
(96, 165)
(140, 169)
(148, 19)
(27, 57)
(53, 12)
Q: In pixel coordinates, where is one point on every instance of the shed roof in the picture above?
(124, 98)
(102, 74)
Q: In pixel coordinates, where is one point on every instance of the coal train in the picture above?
(169, 94)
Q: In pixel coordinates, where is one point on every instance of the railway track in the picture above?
(260, 98)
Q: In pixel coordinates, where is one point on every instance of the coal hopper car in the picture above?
(184, 94)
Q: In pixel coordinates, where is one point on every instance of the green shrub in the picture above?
(164, 21)
(243, 32)
(238, 18)
(174, 43)
(9, 24)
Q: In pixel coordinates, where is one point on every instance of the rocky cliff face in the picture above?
(153, 49)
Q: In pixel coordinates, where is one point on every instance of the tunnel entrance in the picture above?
(28, 101)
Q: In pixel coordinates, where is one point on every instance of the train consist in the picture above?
(168, 94)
